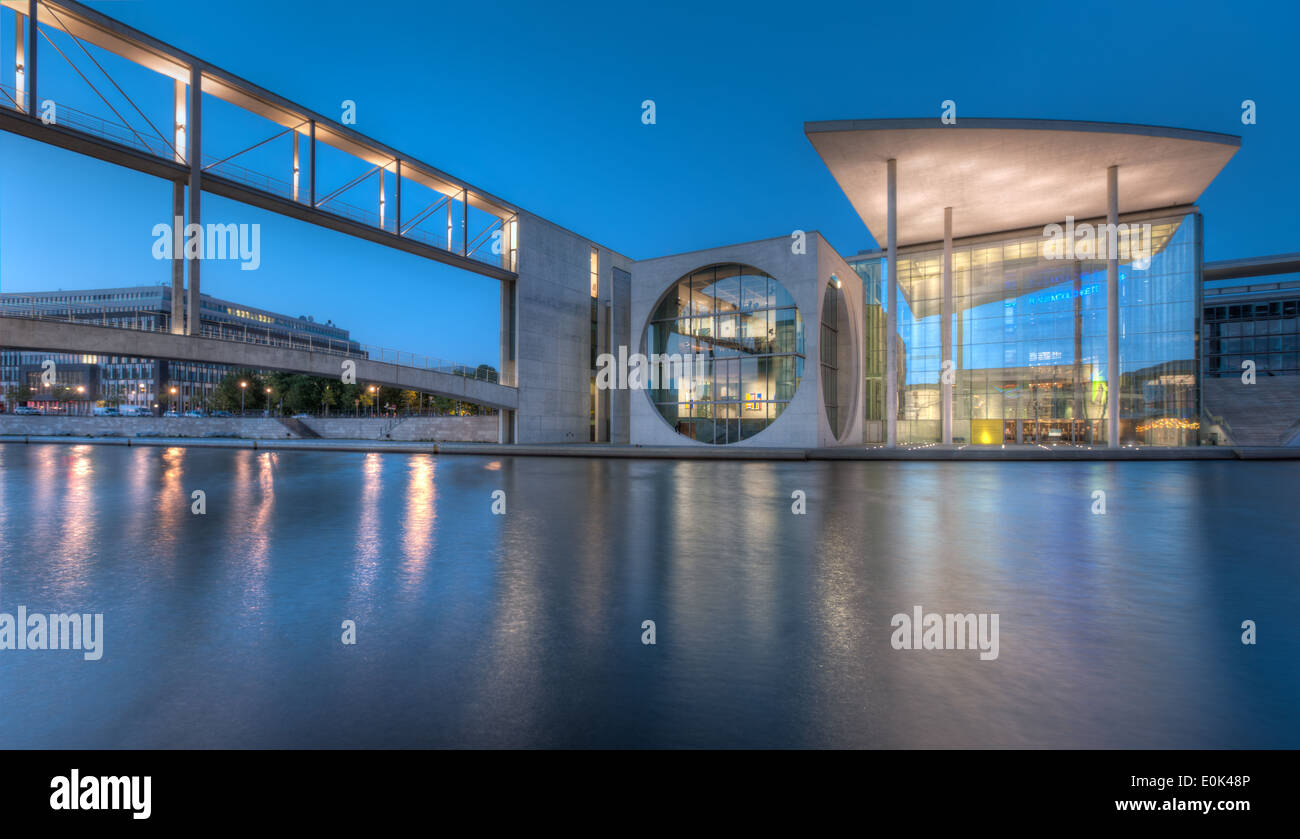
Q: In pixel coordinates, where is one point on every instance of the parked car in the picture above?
(302, 416)
(222, 414)
(106, 411)
(171, 413)
(194, 412)
(25, 411)
(132, 411)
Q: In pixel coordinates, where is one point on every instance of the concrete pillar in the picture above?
(1080, 413)
(20, 69)
(945, 328)
(195, 158)
(178, 259)
(891, 314)
(449, 222)
(397, 188)
(383, 182)
(179, 112)
(464, 222)
(311, 134)
(296, 167)
(29, 63)
(505, 426)
(1112, 308)
(508, 332)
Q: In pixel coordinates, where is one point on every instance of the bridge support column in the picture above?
(508, 332)
(312, 178)
(29, 60)
(195, 158)
(177, 325)
(505, 426)
(20, 49)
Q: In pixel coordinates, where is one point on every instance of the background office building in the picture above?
(84, 380)
(1251, 319)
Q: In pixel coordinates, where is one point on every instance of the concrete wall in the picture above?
(553, 330)
(258, 428)
(474, 429)
(805, 275)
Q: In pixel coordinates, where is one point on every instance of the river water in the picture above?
(526, 629)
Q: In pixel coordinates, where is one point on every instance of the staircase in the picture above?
(1262, 414)
(298, 427)
(388, 427)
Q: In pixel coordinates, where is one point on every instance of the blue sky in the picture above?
(540, 104)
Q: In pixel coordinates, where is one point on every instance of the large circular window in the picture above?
(744, 339)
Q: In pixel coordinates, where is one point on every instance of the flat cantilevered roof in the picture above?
(1010, 174)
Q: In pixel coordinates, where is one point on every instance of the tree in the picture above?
(226, 396)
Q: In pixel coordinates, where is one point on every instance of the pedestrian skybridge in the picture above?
(76, 331)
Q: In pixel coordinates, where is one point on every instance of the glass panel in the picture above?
(701, 295)
(744, 353)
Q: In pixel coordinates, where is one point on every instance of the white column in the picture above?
(945, 328)
(1112, 308)
(195, 159)
(178, 119)
(20, 60)
(178, 259)
(891, 300)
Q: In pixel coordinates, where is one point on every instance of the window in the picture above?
(743, 337)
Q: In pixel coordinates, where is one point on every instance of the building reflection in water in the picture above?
(419, 523)
(368, 547)
(253, 504)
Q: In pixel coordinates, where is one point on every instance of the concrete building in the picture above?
(1250, 342)
(1041, 284)
(1039, 281)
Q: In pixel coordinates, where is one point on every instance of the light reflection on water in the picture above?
(524, 629)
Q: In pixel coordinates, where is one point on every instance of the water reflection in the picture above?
(421, 515)
(525, 628)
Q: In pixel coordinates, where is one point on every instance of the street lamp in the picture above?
(243, 388)
(372, 400)
(268, 402)
(173, 401)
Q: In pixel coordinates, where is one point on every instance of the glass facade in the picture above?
(1029, 338)
(873, 338)
(746, 338)
(1265, 331)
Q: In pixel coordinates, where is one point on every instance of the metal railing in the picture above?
(155, 320)
(122, 134)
